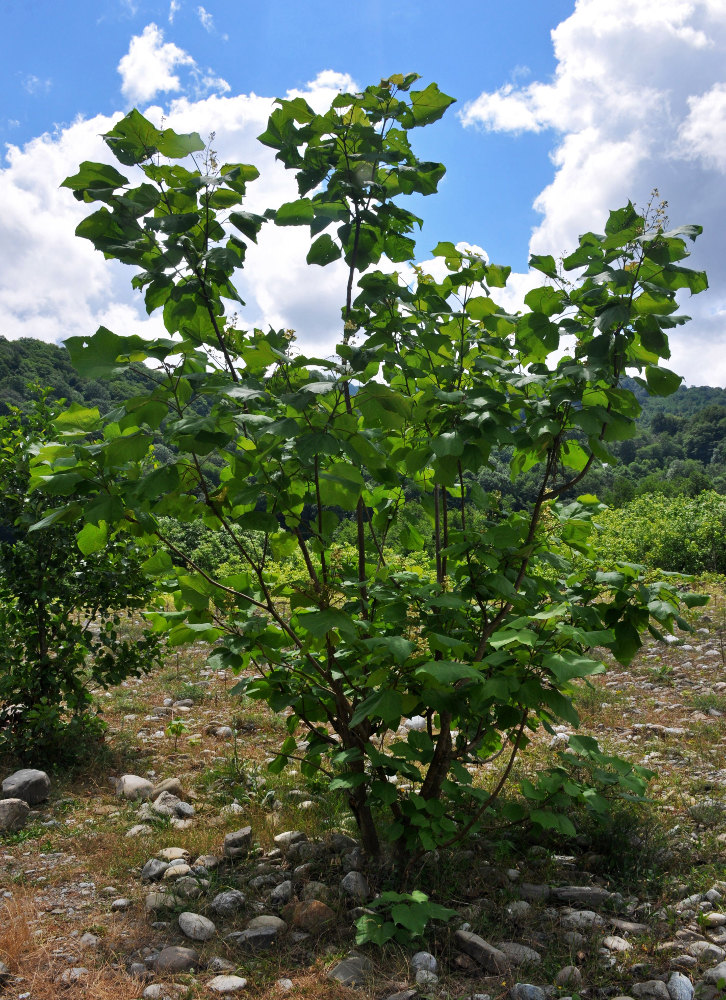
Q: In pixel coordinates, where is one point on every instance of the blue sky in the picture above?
(564, 110)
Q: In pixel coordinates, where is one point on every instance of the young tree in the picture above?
(484, 640)
(59, 605)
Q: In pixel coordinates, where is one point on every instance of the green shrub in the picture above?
(681, 534)
(60, 610)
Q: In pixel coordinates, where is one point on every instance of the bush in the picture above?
(59, 610)
(680, 534)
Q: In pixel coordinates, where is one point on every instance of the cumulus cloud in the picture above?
(637, 101)
(54, 285)
(147, 68)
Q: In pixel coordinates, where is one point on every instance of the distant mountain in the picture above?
(27, 361)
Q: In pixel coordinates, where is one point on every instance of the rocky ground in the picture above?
(172, 867)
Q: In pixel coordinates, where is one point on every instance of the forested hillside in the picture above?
(26, 362)
(679, 448)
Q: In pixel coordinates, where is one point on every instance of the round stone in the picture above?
(196, 927)
(227, 984)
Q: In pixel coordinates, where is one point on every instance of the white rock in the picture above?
(614, 943)
(140, 830)
(196, 927)
(131, 786)
(227, 984)
(416, 722)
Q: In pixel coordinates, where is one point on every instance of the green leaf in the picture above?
(567, 665)
(545, 264)
(97, 180)
(428, 105)
(661, 381)
(449, 672)
(296, 213)
(323, 251)
(77, 418)
(549, 820)
(319, 623)
(92, 538)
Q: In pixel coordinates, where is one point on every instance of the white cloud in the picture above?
(54, 285)
(33, 84)
(174, 7)
(205, 19)
(703, 134)
(637, 101)
(147, 68)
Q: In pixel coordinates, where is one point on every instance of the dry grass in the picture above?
(89, 844)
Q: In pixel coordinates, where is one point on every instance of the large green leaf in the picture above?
(323, 251)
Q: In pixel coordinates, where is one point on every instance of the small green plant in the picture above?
(401, 916)
(175, 729)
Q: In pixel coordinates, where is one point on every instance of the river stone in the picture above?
(288, 837)
(714, 975)
(226, 904)
(581, 920)
(227, 984)
(13, 814)
(354, 970)
(706, 951)
(519, 954)
(653, 989)
(196, 927)
(426, 979)
(310, 915)
(585, 896)
(355, 885)
(171, 785)
(254, 938)
(526, 991)
(680, 987)
(268, 920)
(28, 784)
(176, 959)
(490, 958)
(238, 843)
(159, 901)
(282, 893)
(153, 870)
(570, 976)
(173, 854)
(614, 943)
(424, 960)
(131, 786)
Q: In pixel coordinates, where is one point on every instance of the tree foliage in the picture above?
(483, 639)
(59, 604)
